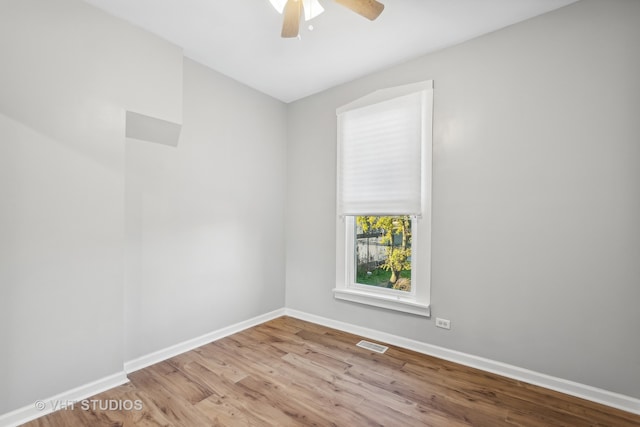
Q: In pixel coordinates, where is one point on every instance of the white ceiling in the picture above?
(241, 38)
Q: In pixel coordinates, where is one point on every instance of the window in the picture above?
(383, 251)
(384, 199)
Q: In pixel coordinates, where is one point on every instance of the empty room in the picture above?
(319, 212)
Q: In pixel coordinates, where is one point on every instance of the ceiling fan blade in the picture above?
(291, 23)
(370, 9)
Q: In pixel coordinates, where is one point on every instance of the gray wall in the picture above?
(536, 198)
(111, 248)
(205, 219)
(68, 72)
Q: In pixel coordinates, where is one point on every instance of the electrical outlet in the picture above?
(443, 323)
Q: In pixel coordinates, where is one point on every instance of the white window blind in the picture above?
(380, 158)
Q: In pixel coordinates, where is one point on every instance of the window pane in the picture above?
(383, 251)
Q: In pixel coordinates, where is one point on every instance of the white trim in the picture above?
(407, 305)
(615, 400)
(594, 394)
(418, 302)
(30, 412)
(414, 302)
(386, 94)
(174, 350)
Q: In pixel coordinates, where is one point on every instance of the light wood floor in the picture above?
(287, 372)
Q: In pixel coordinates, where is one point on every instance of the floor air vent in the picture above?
(372, 346)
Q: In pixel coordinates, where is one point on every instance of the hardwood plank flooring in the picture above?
(288, 372)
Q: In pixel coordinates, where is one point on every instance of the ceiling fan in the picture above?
(292, 10)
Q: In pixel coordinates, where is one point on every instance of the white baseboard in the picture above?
(31, 412)
(605, 397)
(619, 401)
(46, 406)
(174, 350)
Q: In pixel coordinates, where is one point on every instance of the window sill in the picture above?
(384, 301)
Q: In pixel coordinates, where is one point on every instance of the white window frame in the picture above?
(417, 301)
(350, 279)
